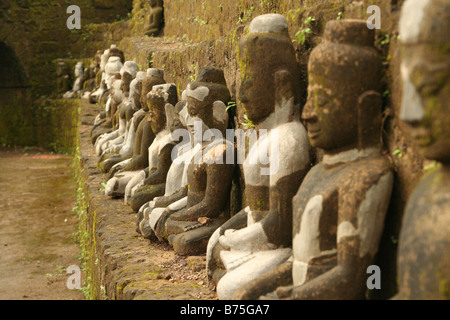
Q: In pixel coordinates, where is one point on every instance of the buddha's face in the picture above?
(135, 92)
(199, 106)
(126, 80)
(425, 71)
(330, 115)
(196, 112)
(175, 122)
(143, 99)
(256, 91)
(156, 111)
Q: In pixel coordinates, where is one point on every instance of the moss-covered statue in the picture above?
(104, 122)
(424, 242)
(340, 207)
(176, 180)
(150, 182)
(121, 173)
(156, 18)
(102, 90)
(119, 108)
(133, 115)
(189, 222)
(78, 84)
(258, 238)
(63, 77)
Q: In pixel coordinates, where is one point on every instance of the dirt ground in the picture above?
(37, 225)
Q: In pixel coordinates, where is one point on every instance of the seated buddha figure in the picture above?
(104, 123)
(120, 94)
(151, 181)
(78, 84)
(63, 77)
(156, 18)
(423, 262)
(188, 223)
(340, 207)
(133, 115)
(121, 173)
(175, 187)
(258, 238)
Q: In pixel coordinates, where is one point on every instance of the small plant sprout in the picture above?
(231, 104)
(248, 124)
(300, 36)
(398, 153)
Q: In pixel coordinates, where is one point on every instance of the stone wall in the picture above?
(32, 35)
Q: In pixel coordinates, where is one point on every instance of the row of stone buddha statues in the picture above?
(307, 232)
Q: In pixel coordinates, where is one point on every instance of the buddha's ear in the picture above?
(170, 114)
(220, 113)
(369, 118)
(283, 85)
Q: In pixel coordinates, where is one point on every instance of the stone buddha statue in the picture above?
(188, 223)
(258, 238)
(150, 183)
(133, 115)
(423, 264)
(119, 93)
(176, 180)
(100, 77)
(104, 123)
(78, 84)
(63, 77)
(116, 97)
(104, 78)
(340, 207)
(156, 18)
(89, 79)
(121, 173)
(111, 68)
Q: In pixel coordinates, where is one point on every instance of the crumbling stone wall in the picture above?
(32, 35)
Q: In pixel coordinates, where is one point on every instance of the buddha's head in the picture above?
(154, 77)
(128, 73)
(425, 70)
(343, 109)
(157, 98)
(206, 100)
(135, 90)
(263, 53)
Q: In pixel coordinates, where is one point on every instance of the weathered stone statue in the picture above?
(105, 122)
(89, 79)
(339, 209)
(176, 180)
(424, 243)
(133, 115)
(112, 67)
(63, 77)
(188, 223)
(150, 183)
(122, 172)
(156, 18)
(119, 93)
(95, 96)
(78, 84)
(102, 90)
(258, 238)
